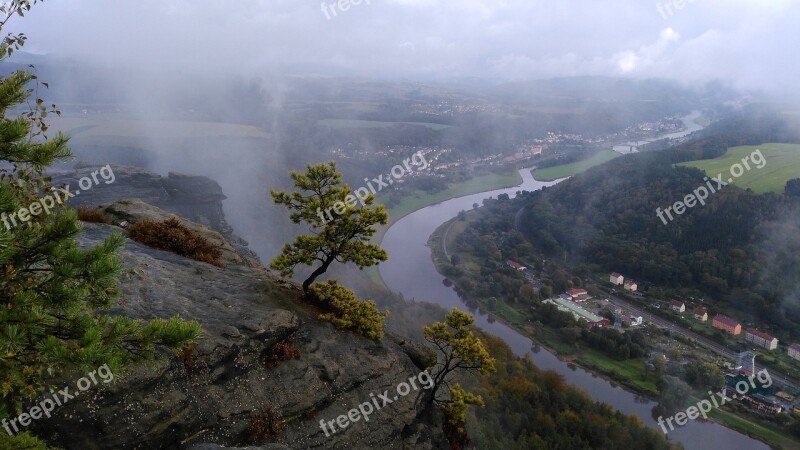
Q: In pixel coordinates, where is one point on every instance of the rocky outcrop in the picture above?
(126, 212)
(208, 398)
(198, 199)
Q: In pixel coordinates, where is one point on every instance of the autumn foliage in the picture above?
(172, 236)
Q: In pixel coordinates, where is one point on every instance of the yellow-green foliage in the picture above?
(460, 401)
(460, 348)
(22, 440)
(348, 312)
(344, 236)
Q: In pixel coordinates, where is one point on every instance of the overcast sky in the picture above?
(752, 43)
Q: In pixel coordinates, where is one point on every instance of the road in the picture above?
(778, 377)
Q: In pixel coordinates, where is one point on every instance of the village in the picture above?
(600, 312)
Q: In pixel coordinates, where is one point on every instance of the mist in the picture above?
(245, 73)
(704, 40)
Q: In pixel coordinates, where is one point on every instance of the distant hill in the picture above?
(741, 247)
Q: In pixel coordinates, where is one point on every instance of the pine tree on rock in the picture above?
(52, 294)
(342, 229)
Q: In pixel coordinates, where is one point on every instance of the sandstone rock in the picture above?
(244, 311)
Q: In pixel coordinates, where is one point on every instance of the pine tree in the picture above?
(457, 350)
(342, 228)
(51, 292)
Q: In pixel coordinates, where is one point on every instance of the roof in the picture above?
(760, 334)
(795, 347)
(616, 275)
(700, 311)
(677, 303)
(725, 320)
(577, 311)
(576, 292)
(629, 282)
(515, 264)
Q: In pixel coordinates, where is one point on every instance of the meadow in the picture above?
(783, 164)
(568, 170)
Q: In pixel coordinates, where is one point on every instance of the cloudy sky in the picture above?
(752, 43)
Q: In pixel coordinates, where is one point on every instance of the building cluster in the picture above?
(450, 108)
(725, 323)
(629, 285)
(752, 335)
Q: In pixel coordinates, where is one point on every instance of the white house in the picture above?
(630, 285)
(616, 279)
(794, 351)
(633, 320)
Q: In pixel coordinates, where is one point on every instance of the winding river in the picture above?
(411, 272)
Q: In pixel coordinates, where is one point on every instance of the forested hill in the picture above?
(740, 247)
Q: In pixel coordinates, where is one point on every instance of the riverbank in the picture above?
(481, 183)
(622, 373)
(420, 199)
(632, 375)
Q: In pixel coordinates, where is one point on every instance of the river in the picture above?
(410, 271)
(689, 122)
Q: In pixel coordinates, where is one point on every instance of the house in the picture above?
(701, 314)
(794, 351)
(575, 293)
(582, 298)
(537, 150)
(616, 279)
(678, 306)
(516, 266)
(632, 320)
(630, 285)
(726, 323)
(761, 339)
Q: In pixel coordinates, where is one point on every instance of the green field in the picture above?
(349, 123)
(783, 164)
(420, 199)
(568, 170)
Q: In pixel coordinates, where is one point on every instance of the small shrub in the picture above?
(186, 354)
(171, 235)
(265, 425)
(282, 351)
(91, 215)
(347, 311)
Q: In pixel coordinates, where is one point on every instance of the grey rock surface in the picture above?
(196, 198)
(210, 399)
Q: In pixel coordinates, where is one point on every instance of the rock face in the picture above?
(198, 199)
(126, 212)
(209, 398)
